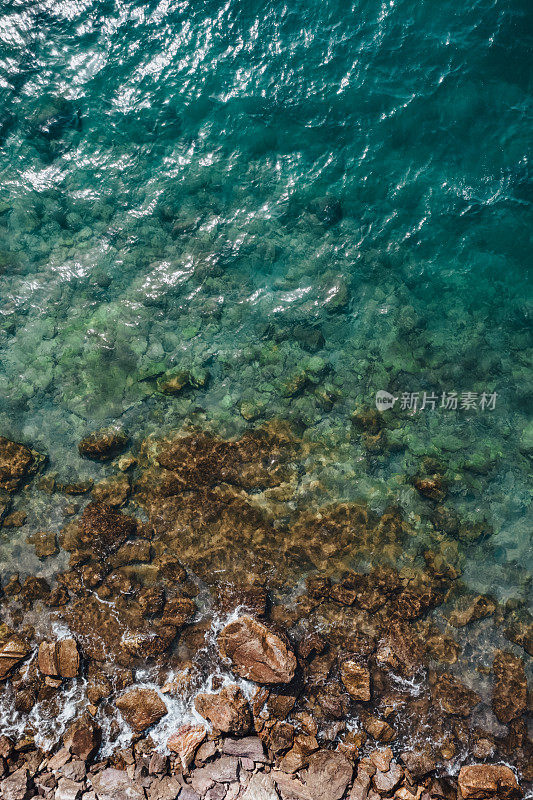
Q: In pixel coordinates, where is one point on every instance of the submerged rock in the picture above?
(471, 609)
(103, 445)
(45, 543)
(227, 711)
(17, 464)
(101, 529)
(327, 209)
(256, 653)
(141, 708)
(509, 698)
(453, 697)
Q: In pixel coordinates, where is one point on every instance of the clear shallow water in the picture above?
(161, 173)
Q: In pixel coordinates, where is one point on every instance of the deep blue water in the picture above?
(265, 189)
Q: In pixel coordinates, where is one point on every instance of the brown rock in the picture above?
(361, 785)
(379, 729)
(291, 788)
(298, 755)
(114, 491)
(17, 463)
(68, 789)
(509, 698)
(381, 759)
(454, 697)
(487, 782)
(16, 786)
(83, 738)
(250, 747)
(102, 529)
(178, 611)
(68, 658)
(400, 650)
(131, 552)
(386, 782)
(356, 679)
(433, 487)
(418, 762)
(228, 711)
(15, 520)
(186, 741)
(103, 445)
(114, 784)
(59, 659)
(141, 708)
(12, 651)
(278, 736)
(471, 609)
(45, 543)
(256, 653)
(47, 658)
(328, 775)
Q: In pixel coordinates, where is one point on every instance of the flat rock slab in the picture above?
(114, 784)
(328, 775)
(261, 787)
(223, 770)
(248, 747)
(16, 786)
(291, 788)
(68, 789)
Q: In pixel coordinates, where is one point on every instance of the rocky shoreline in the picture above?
(316, 652)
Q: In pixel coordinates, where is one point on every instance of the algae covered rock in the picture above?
(17, 463)
(103, 445)
(176, 380)
(101, 529)
(509, 698)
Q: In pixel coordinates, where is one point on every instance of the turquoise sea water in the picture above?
(311, 200)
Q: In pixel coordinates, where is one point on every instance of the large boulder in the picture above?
(13, 650)
(114, 784)
(328, 775)
(228, 711)
(83, 737)
(509, 698)
(141, 708)
(186, 741)
(59, 659)
(487, 782)
(16, 786)
(256, 653)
